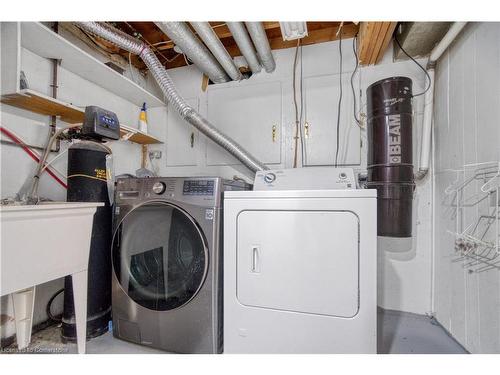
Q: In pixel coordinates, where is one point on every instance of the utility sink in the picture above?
(40, 243)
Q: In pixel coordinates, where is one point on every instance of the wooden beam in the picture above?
(373, 39)
(385, 43)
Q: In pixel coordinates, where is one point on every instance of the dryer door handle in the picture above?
(255, 267)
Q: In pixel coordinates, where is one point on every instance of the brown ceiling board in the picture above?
(373, 39)
(318, 32)
(378, 41)
(371, 36)
(364, 37)
(387, 39)
(316, 35)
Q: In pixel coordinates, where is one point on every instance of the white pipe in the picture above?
(436, 53)
(212, 41)
(425, 150)
(449, 37)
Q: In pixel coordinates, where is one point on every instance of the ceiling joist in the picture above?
(373, 40)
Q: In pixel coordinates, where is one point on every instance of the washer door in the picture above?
(160, 257)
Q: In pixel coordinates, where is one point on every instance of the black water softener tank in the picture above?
(390, 154)
(88, 182)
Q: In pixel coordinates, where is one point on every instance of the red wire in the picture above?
(32, 154)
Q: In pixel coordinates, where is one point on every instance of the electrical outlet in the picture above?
(155, 154)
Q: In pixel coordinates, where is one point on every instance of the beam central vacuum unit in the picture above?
(300, 264)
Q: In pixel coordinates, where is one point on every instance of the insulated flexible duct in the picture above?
(181, 35)
(207, 34)
(245, 45)
(261, 43)
(161, 76)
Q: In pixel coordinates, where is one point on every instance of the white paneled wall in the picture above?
(16, 166)
(466, 137)
(404, 279)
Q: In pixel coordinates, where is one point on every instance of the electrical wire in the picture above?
(132, 74)
(49, 305)
(416, 62)
(301, 113)
(31, 153)
(54, 159)
(356, 66)
(296, 138)
(340, 98)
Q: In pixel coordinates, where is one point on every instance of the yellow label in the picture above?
(100, 173)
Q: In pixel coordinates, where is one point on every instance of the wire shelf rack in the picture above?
(477, 246)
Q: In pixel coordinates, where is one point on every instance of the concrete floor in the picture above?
(405, 333)
(398, 333)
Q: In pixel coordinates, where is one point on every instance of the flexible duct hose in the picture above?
(161, 76)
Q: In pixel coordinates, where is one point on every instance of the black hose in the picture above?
(49, 305)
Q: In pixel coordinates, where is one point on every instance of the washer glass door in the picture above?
(159, 256)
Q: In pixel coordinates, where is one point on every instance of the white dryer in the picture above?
(300, 270)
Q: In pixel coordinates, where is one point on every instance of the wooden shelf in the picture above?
(134, 135)
(45, 43)
(42, 104)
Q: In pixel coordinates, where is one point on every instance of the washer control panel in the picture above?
(310, 178)
(198, 187)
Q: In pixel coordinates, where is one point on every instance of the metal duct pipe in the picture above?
(161, 76)
(212, 41)
(245, 45)
(181, 35)
(261, 43)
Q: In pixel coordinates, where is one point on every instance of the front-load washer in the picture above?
(166, 255)
(300, 270)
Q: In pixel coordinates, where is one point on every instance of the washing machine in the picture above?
(166, 255)
(300, 265)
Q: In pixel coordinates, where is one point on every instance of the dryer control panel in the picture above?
(310, 178)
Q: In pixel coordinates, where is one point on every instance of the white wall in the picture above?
(16, 165)
(404, 279)
(467, 137)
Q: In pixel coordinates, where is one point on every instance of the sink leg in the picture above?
(80, 301)
(24, 301)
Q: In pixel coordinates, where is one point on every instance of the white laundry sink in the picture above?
(40, 243)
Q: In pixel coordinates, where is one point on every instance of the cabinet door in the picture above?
(300, 261)
(182, 138)
(321, 110)
(251, 115)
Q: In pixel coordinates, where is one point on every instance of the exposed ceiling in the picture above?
(373, 39)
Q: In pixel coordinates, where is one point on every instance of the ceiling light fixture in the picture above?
(293, 30)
